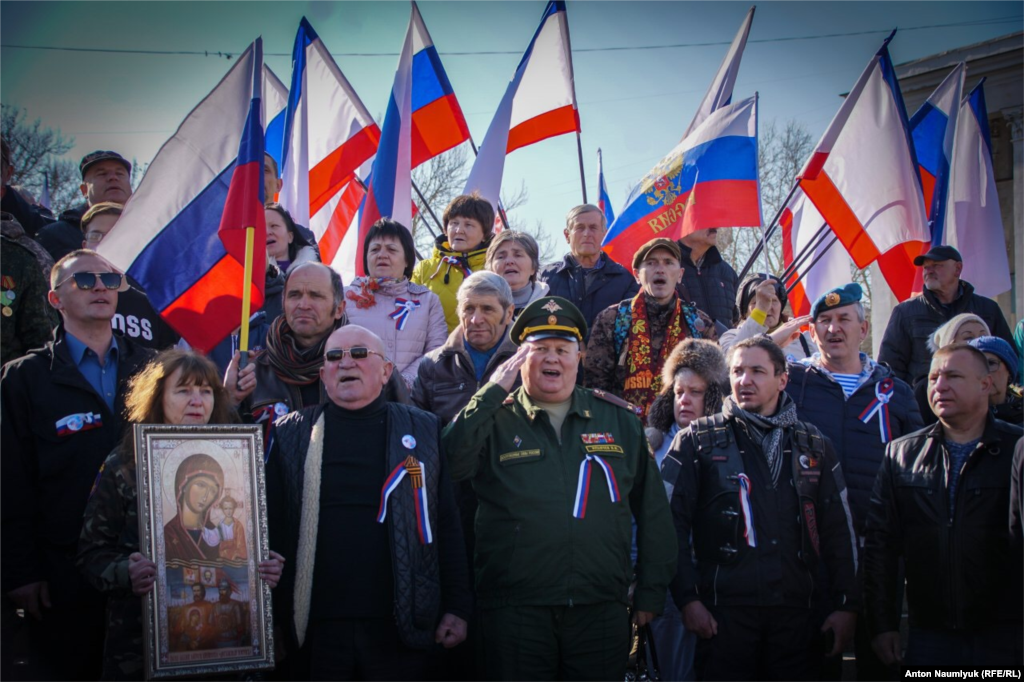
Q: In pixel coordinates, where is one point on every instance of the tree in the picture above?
(37, 153)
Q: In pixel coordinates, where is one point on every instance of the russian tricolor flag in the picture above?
(540, 102)
(932, 129)
(973, 221)
(437, 120)
(604, 202)
(389, 194)
(182, 234)
(329, 140)
(708, 180)
(863, 178)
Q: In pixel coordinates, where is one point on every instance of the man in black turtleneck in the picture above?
(630, 340)
(358, 492)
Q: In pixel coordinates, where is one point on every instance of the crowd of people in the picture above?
(482, 467)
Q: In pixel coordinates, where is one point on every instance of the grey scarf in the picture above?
(768, 429)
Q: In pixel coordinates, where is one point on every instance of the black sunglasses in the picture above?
(357, 353)
(86, 281)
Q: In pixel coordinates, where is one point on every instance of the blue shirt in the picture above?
(481, 358)
(102, 377)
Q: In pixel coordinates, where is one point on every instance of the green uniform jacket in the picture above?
(530, 549)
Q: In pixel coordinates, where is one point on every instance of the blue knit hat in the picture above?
(999, 348)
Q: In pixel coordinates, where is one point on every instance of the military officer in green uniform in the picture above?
(560, 471)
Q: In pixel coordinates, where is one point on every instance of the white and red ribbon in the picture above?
(884, 391)
(579, 509)
(748, 511)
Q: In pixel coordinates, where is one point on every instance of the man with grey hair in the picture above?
(860, 406)
(379, 577)
(586, 275)
(288, 371)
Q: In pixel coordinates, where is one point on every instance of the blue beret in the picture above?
(999, 348)
(837, 298)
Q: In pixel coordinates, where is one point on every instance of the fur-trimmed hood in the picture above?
(705, 359)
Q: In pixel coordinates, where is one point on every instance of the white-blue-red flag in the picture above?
(708, 180)
(604, 202)
(863, 178)
(540, 102)
(974, 224)
(720, 92)
(932, 129)
(275, 105)
(437, 120)
(182, 233)
(389, 193)
(329, 141)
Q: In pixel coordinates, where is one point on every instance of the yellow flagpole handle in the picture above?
(243, 337)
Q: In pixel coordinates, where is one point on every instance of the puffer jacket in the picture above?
(611, 283)
(913, 322)
(444, 272)
(820, 400)
(963, 573)
(405, 342)
(711, 286)
(446, 378)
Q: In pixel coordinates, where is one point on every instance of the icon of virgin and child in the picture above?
(191, 535)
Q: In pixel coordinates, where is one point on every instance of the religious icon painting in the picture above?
(203, 520)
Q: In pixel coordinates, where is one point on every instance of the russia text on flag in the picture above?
(708, 180)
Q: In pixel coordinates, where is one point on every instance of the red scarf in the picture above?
(643, 373)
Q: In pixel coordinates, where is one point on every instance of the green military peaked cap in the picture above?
(550, 317)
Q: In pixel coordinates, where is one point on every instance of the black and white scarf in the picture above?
(767, 429)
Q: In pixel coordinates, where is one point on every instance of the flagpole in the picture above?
(812, 264)
(429, 210)
(817, 239)
(501, 209)
(771, 229)
(243, 337)
(760, 211)
(583, 179)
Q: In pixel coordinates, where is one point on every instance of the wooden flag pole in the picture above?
(817, 240)
(501, 209)
(243, 337)
(770, 231)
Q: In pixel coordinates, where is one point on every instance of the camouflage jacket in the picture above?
(110, 533)
(605, 361)
(28, 320)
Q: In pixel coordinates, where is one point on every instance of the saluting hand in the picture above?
(505, 375)
(789, 332)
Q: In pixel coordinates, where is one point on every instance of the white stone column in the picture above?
(1015, 122)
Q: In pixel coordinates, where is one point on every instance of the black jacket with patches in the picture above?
(46, 475)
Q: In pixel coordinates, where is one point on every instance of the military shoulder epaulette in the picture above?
(615, 400)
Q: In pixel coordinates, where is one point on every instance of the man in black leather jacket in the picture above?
(941, 502)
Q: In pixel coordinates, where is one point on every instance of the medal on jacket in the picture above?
(748, 511)
(403, 307)
(579, 509)
(884, 390)
(413, 468)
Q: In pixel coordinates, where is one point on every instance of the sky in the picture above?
(641, 68)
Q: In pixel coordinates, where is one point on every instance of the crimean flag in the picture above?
(329, 140)
(389, 194)
(437, 120)
(182, 234)
(974, 224)
(604, 202)
(819, 271)
(863, 179)
(719, 93)
(540, 102)
(708, 180)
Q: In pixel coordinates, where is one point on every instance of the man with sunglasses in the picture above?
(61, 410)
(378, 575)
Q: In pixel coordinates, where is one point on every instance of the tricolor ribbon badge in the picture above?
(403, 307)
(83, 421)
(884, 390)
(458, 262)
(748, 511)
(412, 468)
(579, 509)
